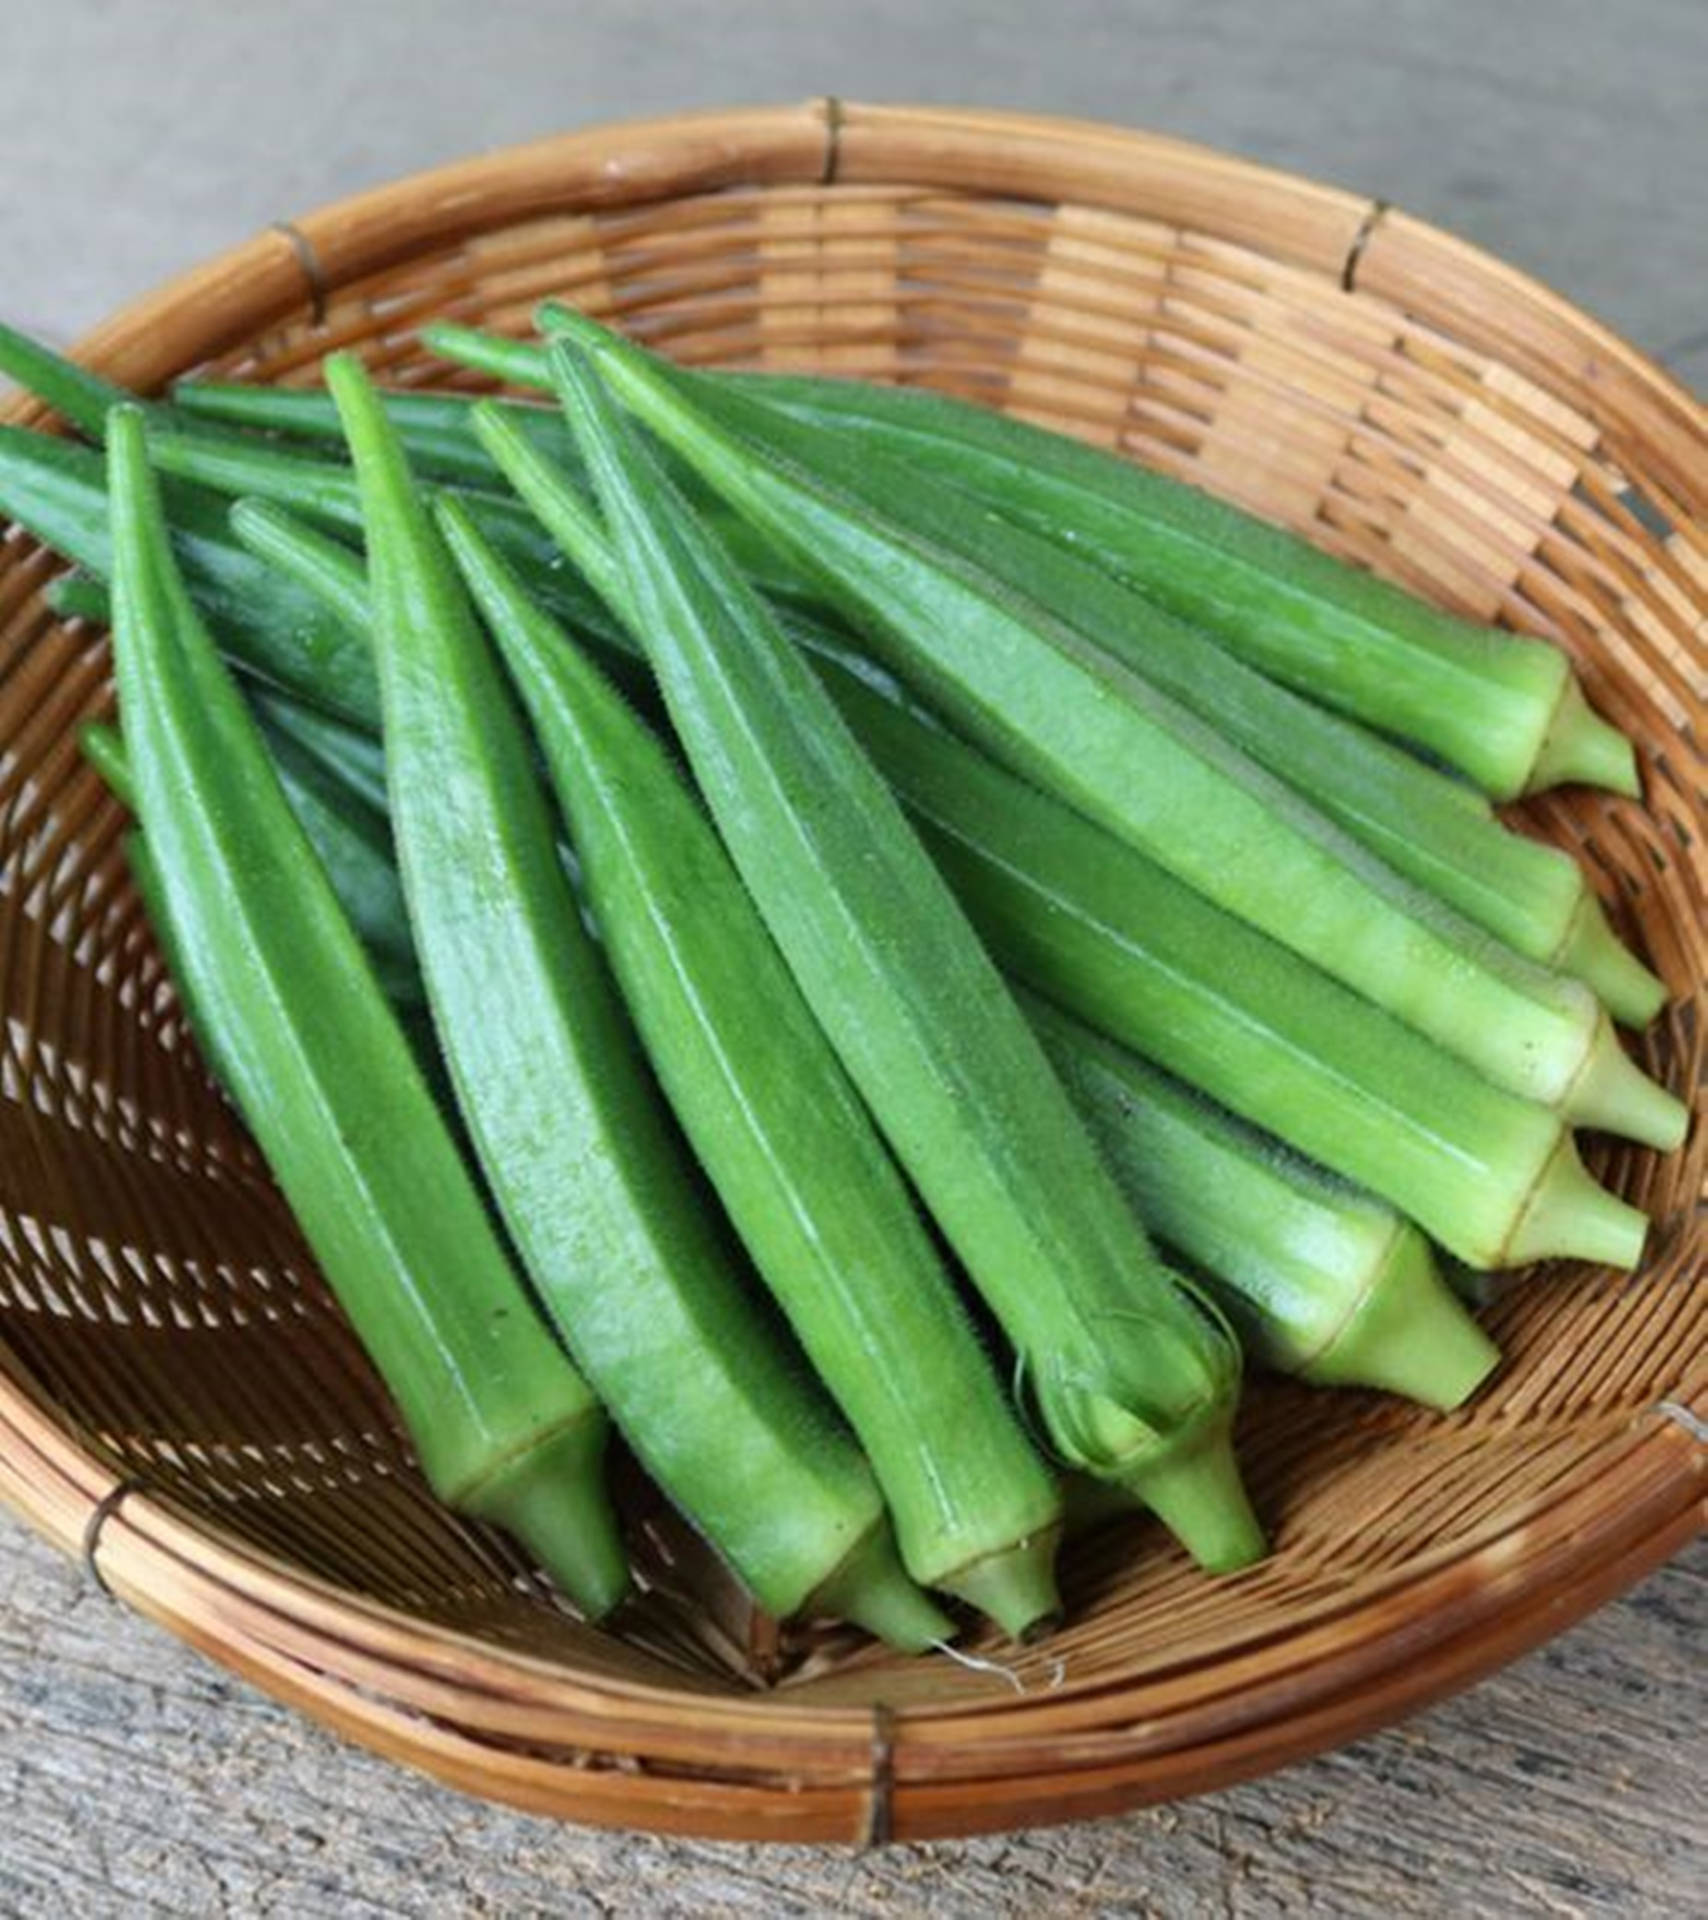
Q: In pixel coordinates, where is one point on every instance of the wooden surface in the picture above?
(135, 1779)
(1563, 134)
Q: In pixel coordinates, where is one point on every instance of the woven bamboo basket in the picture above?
(181, 1402)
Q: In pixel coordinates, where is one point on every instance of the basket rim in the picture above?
(244, 1608)
(278, 1629)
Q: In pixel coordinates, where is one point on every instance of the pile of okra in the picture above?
(879, 950)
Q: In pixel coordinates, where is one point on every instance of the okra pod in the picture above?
(504, 1427)
(348, 832)
(1109, 936)
(1503, 708)
(1433, 829)
(273, 629)
(78, 595)
(433, 428)
(1035, 866)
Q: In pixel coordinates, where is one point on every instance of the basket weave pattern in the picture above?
(170, 1362)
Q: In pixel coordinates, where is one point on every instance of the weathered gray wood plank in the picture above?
(137, 1778)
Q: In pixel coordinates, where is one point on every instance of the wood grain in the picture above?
(1567, 1785)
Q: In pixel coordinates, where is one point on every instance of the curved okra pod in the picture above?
(504, 1426)
(593, 1186)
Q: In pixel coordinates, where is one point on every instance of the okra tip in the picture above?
(105, 752)
(1580, 746)
(1569, 1216)
(871, 1589)
(1593, 953)
(1613, 1094)
(552, 1498)
(1194, 1487)
(1410, 1335)
(1015, 1587)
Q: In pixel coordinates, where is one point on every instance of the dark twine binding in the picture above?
(832, 110)
(1373, 218)
(104, 1509)
(880, 1807)
(319, 289)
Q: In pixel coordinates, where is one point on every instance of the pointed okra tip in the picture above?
(1613, 1094)
(1184, 1471)
(1595, 954)
(556, 320)
(1015, 1587)
(1569, 1215)
(871, 1589)
(1580, 747)
(552, 1497)
(1410, 1334)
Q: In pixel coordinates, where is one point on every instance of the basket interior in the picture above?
(153, 1292)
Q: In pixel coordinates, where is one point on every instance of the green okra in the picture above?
(353, 756)
(273, 629)
(504, 1426)
(779, 1128)
(1094, 926)
(77, 394)
(593, 1186)
(1126, 974)
(326, 493)
(1431, 828)
(433, 427)
(1129, 1375)
(348, 831)
(1032, 691)
(949, 1515)
(1504, 709)
(77, 595)
(1319, 1278)
(102, 748)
